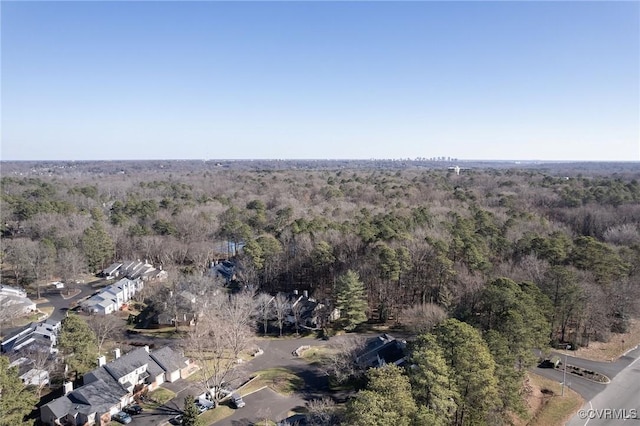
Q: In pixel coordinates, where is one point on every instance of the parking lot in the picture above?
(260, 405)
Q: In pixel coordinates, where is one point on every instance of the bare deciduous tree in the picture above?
(323, 412)
(280, 309)
(104, 327)
(422, 318)
(297, 310)
(222, 332)
(207, 345)
(71, 264)
(239, 311)
(264, 310)
(341, 365)
(41, 360)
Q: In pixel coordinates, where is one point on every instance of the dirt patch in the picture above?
(587, 374)
(545, 406)
(615, 347)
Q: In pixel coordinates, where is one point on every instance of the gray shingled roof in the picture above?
(128, 362)
(168, 359)
(112, 268)
(154, 369)
(60, 407)
(101, 390)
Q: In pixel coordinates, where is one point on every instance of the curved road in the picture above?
(619, 402)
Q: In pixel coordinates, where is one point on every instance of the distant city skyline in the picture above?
(547, 81)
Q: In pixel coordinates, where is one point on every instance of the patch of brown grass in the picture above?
(614, 348)
(545, 405)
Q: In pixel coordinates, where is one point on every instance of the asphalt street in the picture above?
(619, 402)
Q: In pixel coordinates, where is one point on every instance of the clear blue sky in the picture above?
(176, 80)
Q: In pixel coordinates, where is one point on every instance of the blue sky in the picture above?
(231, 80)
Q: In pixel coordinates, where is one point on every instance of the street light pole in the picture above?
(564, 376)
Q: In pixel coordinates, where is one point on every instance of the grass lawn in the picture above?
(47, 310)
(552, 409)
(204, 369)
(317, 354)
(208, 367)
(165, 332)
(218, 413)
(161, 396)
(279, 379)
(251, 387)
(19, 322)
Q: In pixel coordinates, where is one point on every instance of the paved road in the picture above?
(609, 369)
(263, 404)
(269, 404)
(61, 302)
(619, 402)
(586, 388)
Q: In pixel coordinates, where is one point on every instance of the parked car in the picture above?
(132, 409)
(177, 420)
(201, 407)
(237, 400)
(121, 417)
(552, 362)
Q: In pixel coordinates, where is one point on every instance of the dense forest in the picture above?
(529, 255)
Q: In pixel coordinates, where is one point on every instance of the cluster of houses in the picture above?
(134, 270)
(36, 340)
(14, 302)
(114, 385)
(112, 297)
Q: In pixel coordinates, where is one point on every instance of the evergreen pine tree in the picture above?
(351, 300)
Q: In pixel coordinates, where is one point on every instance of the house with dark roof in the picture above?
(309, 312)
(42, 336)
(112, 271)
(111, 386)
(175, 366)
(382, 350)
(225, 269)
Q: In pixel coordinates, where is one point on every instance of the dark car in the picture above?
(201, 407)
(121, 417)
(132, 409)
(552, 362)
(237, 400)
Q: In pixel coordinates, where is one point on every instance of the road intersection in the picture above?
(619, 402)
